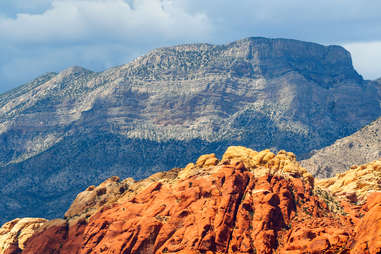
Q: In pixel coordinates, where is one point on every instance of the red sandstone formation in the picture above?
(248, 202)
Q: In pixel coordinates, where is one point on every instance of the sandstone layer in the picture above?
(246, 202)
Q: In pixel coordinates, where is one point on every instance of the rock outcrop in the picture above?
(358, 148)
(356, 183)
(68, 130)
(368, 230)
(247, 202)
(15, 233)
(95, 197)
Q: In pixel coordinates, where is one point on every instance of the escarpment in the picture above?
(65, 131)
(245, 202)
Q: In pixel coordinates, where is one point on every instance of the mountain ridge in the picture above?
(261, 93)
(361, 147)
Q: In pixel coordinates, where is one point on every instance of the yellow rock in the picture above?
(358, 180)
(239, 153)
(283, 163)
(17, 231)
(187, 171)
(211, 162)
(263, 157)
(207, 160)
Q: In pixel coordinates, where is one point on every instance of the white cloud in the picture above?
(366, 58)
(93, 33)
(78, 21)
(49, 35)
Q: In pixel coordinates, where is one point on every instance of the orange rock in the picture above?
(249, 203)
(368, 231)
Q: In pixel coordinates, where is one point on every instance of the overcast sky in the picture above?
(39, 36)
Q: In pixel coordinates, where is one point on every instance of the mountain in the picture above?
(361, 147)
(65, 131)
(247, 202)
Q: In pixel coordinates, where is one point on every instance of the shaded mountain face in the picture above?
(247, 202)
(65, 131)
(361, 147)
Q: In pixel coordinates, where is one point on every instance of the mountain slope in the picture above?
(67, 130)
(361, 147)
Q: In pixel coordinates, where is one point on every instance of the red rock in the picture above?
(270, 207)
(368, 230)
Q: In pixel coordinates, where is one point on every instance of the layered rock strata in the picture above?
(65, 131)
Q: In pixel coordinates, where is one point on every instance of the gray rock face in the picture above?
(63, 132)
(359, 148)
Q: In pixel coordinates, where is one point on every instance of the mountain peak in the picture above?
(174, 102)
(325, 65)
(253, 57)
(74, 71)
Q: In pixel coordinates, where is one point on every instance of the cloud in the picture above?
(50, 35)
(10, 8)
(93, 33)
(76, 21)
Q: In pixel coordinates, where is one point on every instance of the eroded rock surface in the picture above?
(15, 233)
(368, 230)
(247, 202)
(356, 183)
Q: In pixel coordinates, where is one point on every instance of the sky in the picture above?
(40, 36)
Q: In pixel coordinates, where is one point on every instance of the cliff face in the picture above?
(361, 147)
(247, 202)
(65, 131)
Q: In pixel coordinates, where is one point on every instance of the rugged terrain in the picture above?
(247, 202)
(65, 131)
(361, 147)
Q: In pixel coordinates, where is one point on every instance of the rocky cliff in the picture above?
(246, 202)
(63, 132)
(358, 148)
